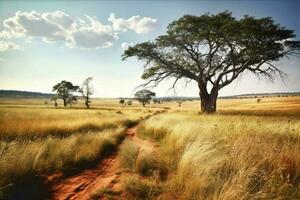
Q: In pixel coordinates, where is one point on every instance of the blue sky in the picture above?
(36, 60)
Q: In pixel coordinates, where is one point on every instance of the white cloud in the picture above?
(91, 33)
(125, 45)
(36, 24)
(59, 26)
(136, 23)
(5, 46)
(87, 32)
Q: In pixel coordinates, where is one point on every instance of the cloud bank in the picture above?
(86, 32)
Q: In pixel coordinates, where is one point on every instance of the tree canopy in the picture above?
(144, 96)
(65, 91)
(214, 50)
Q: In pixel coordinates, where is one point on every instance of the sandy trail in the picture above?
(107, 174)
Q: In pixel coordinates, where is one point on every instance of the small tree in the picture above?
(122, 102)
(86, 91)
(144, 96)
(179, 101)
(129, 103)
(65, 91)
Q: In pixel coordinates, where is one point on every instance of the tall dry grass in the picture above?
(38, 141)
(26, 123)
(229, 155)
(23, 161)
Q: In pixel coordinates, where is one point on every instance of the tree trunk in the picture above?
(144, 103)
(65, 102)
(87, 101)
(208, 101)
(209, 104)
(87, 104)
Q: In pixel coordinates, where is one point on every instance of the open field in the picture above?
(38, 140)
(105, 100)
(247, 150)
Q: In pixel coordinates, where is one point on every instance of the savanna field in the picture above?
(247, 150)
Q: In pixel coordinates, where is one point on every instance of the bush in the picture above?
(146, 164)
(149, 164)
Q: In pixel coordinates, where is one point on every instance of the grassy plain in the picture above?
(247, 150)
(37, 139)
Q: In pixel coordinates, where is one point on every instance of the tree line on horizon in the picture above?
(65, 91)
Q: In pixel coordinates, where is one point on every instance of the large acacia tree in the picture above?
(214, 50)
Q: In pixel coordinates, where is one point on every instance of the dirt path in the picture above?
(107, 175)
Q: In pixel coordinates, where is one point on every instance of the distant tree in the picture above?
(179, 102)
(213, 50)
(65, 91)
(122, 102)
(258, 100)
(86, 91)
(144, 96)
(129, 103)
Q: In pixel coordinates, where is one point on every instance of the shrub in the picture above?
(146, 164)
(150, 164)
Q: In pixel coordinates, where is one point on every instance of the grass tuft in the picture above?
(150, 164)
(142, 189)
(128, 154)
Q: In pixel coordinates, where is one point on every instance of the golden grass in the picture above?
(247, 150)
(38, 122)
(129, 152)
(142, 189)
(36, 141)
(282, 105)
(55, 154)
(250, 154)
